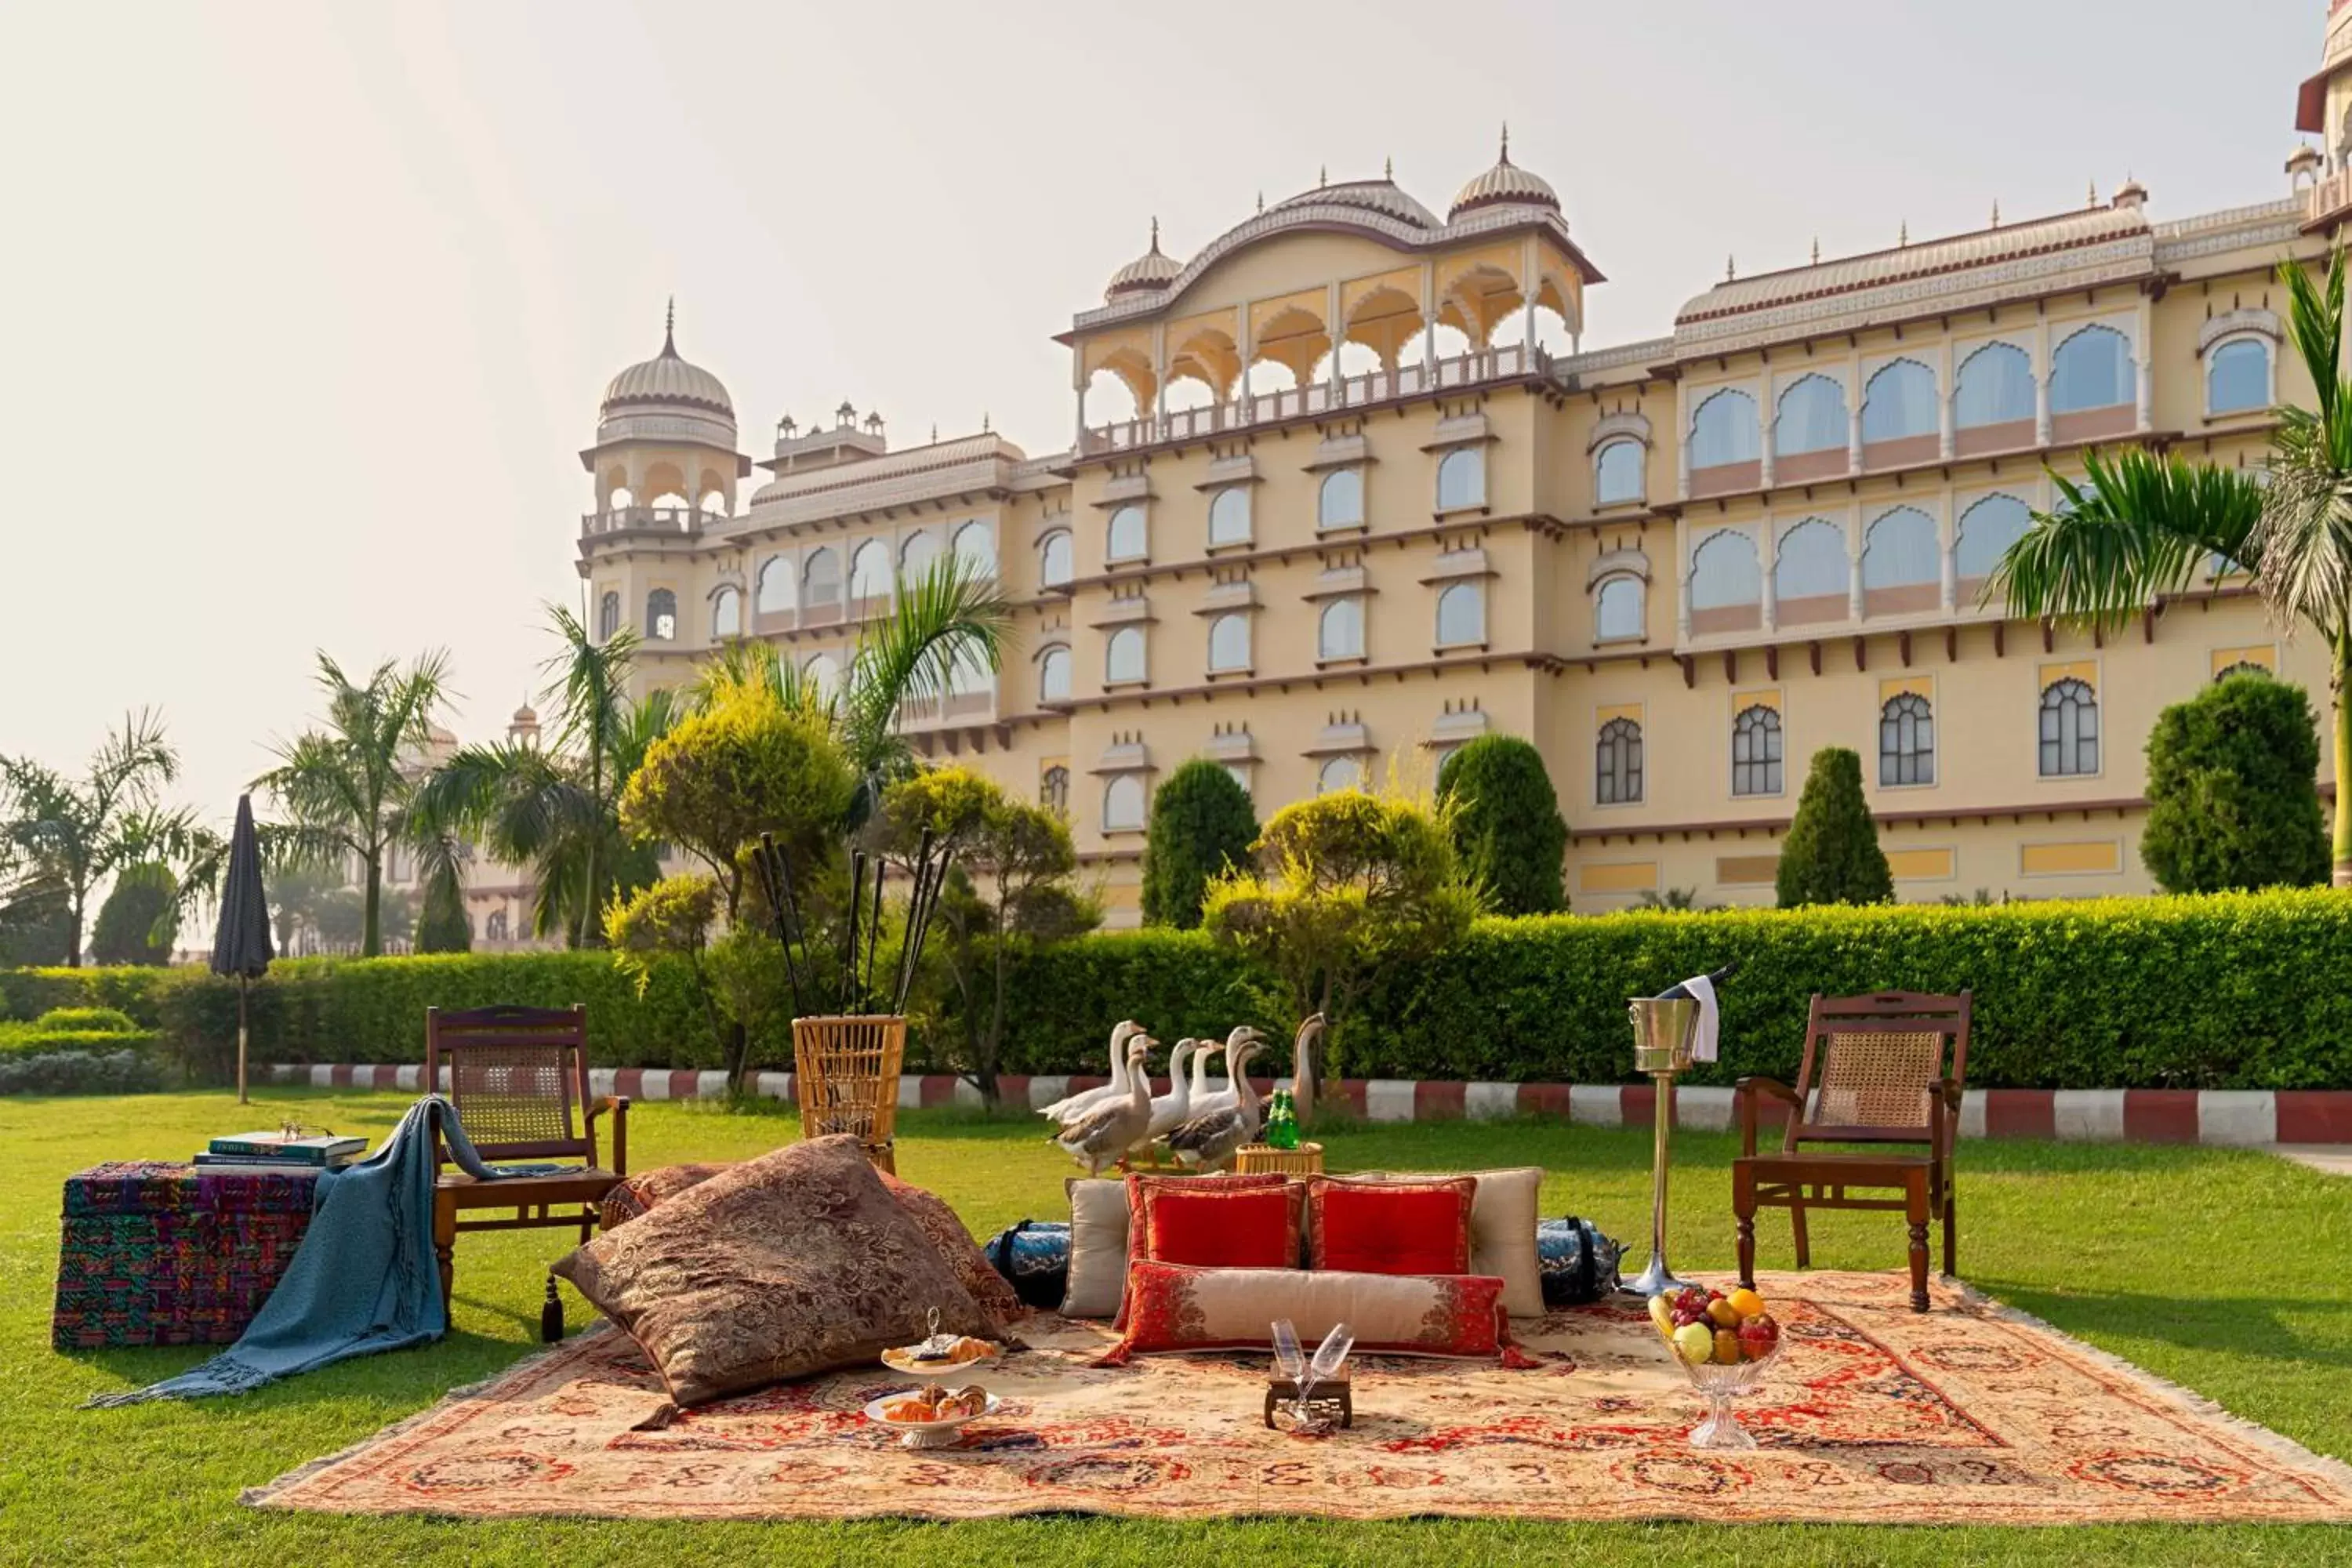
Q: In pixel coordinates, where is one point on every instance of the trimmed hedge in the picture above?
(2225, 991)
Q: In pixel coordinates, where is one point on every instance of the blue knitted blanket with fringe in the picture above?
(365, 1279)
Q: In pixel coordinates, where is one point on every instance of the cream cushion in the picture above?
(1098, 1224)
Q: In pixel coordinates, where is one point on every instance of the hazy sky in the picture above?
(312, 304)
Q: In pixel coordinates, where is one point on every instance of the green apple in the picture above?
(1695, 1343)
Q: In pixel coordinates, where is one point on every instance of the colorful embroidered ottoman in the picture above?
(159, 1254)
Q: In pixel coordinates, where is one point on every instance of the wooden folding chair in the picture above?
(518, 1078)
(1873, 1072)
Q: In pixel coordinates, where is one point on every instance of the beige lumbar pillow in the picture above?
(1098, 1224)
(1502, 1231)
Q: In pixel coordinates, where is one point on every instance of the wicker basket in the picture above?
(845, 1076)
(1259, 1159)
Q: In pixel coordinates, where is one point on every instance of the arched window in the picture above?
(967, 674)
(1617, 763)
(1340, 501)
(1126, 540)
(1617, 473)
(1907, 740)
(916, 556)
(1054, 789)
(2092, 368)
(1462, 478)
(1811, 563)
(1755, 752)
(1811, 417)
(2237, 376)
(823, 674)
(621, 500)
(773, 591)
(1229, 643)
(1996, 387)
(1337, 774)
(2070, 729)
(1724, 431)
(608, 615)
(1340, 634)
(726, 615)
(1229, 516)
(713, 504)
(1900, 401)
(1123, 658)
(821, 578)
(1724, 572)
(1123, 803)
(2243, 667)
(1617, 610)
(1056, 562)
(1987, 531)
(661, 615)
(869, 572)
(975, 546)
(1900, 551)
(494, 928)
(1462, 614)
(1053, 675)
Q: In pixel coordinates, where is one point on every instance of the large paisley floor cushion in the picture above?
(796, 1262)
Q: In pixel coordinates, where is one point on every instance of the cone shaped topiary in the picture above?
(1202, 823)
(1832, 855)
(2233, 791)
(1507, 830)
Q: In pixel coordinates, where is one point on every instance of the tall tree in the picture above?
(1202, 826)
(2144, 526)
(346, 789)
(2234, 790)
(71, 835)
(1832, 854)
(556, 807)
(140, 919)
(1507, 823)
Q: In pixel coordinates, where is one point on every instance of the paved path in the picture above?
(2332, 1158)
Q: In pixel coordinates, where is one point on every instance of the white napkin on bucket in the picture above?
(1710, 1018)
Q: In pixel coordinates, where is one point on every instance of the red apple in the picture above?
(1758, 1335)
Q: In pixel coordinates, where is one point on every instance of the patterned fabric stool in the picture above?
(161, 1254)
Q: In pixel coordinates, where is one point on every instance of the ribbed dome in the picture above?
(1375, 195)
(669, 379)
(1147, 273)
(525, 717)
(1504, 185)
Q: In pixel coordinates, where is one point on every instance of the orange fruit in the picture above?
(1746, 1302)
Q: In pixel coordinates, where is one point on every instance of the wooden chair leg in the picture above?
(1914, 1211)
(1796, 1224)
(1743, 1210)
(444, 1243)
(1951, 1234)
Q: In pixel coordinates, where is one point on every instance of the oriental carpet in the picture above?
(1874, 1414)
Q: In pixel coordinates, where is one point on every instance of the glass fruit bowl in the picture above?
(1723, 1343)
(1720, 1384)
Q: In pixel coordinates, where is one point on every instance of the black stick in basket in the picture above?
(906, 934)
(850, 932)
(938, 876)
(761, 859)
(872, 937)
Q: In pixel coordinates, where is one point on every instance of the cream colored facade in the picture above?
(1678, 566)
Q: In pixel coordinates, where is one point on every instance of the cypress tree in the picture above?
(1507, 830)
(1832, 855)
(1202, 822)
(441, 922)
(2233, 791)
(140, 919)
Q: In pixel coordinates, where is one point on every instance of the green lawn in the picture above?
(2228, 1272)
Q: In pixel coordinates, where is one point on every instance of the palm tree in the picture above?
(64, 836)
(346, 789)
(556, 808)
(2143, 526)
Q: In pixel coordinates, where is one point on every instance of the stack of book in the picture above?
(276, 1152)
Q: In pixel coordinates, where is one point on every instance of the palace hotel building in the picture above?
(1347, 487)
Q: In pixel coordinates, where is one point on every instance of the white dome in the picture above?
(1504, 185)
(667, 381)
(1382, 196)
(1149, 271)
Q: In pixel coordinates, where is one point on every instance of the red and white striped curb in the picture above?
(2229, 1116)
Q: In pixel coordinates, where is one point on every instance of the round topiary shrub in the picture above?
(1202, 823)
(1508, 829)
(2234, 790)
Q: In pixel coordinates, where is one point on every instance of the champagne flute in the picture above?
(1329, 1357)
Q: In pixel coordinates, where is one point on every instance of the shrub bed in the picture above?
(2226, 991)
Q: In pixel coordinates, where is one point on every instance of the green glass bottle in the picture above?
(1282, 1122)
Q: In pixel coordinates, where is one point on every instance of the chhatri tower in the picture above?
(1346, 486)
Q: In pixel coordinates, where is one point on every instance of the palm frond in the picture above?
(2139, 526)
(950, 613)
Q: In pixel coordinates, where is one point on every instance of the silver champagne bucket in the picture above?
(1665, 1029)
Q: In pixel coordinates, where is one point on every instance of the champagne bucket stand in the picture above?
(1665, 1029)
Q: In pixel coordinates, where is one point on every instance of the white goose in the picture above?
(1172, 1110)
(1302, 1066)
(1208, 1142)
(1075, 1105)
(1103, 1137)
(1224, 1098)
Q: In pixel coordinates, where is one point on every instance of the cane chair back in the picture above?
(1873, 1066)
(518, 1078)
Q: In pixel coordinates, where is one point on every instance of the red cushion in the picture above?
(1143, 1190)
(1390, 1228)
(1256, 1227)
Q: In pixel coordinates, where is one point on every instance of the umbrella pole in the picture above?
(240, 1039)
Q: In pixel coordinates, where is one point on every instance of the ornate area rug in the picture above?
(1970, 1414)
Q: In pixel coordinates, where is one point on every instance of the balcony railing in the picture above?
(2328, 197)
(645, 519)
(948, 708)
(1317, 397)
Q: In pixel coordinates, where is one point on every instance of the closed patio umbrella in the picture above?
(241, 947)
